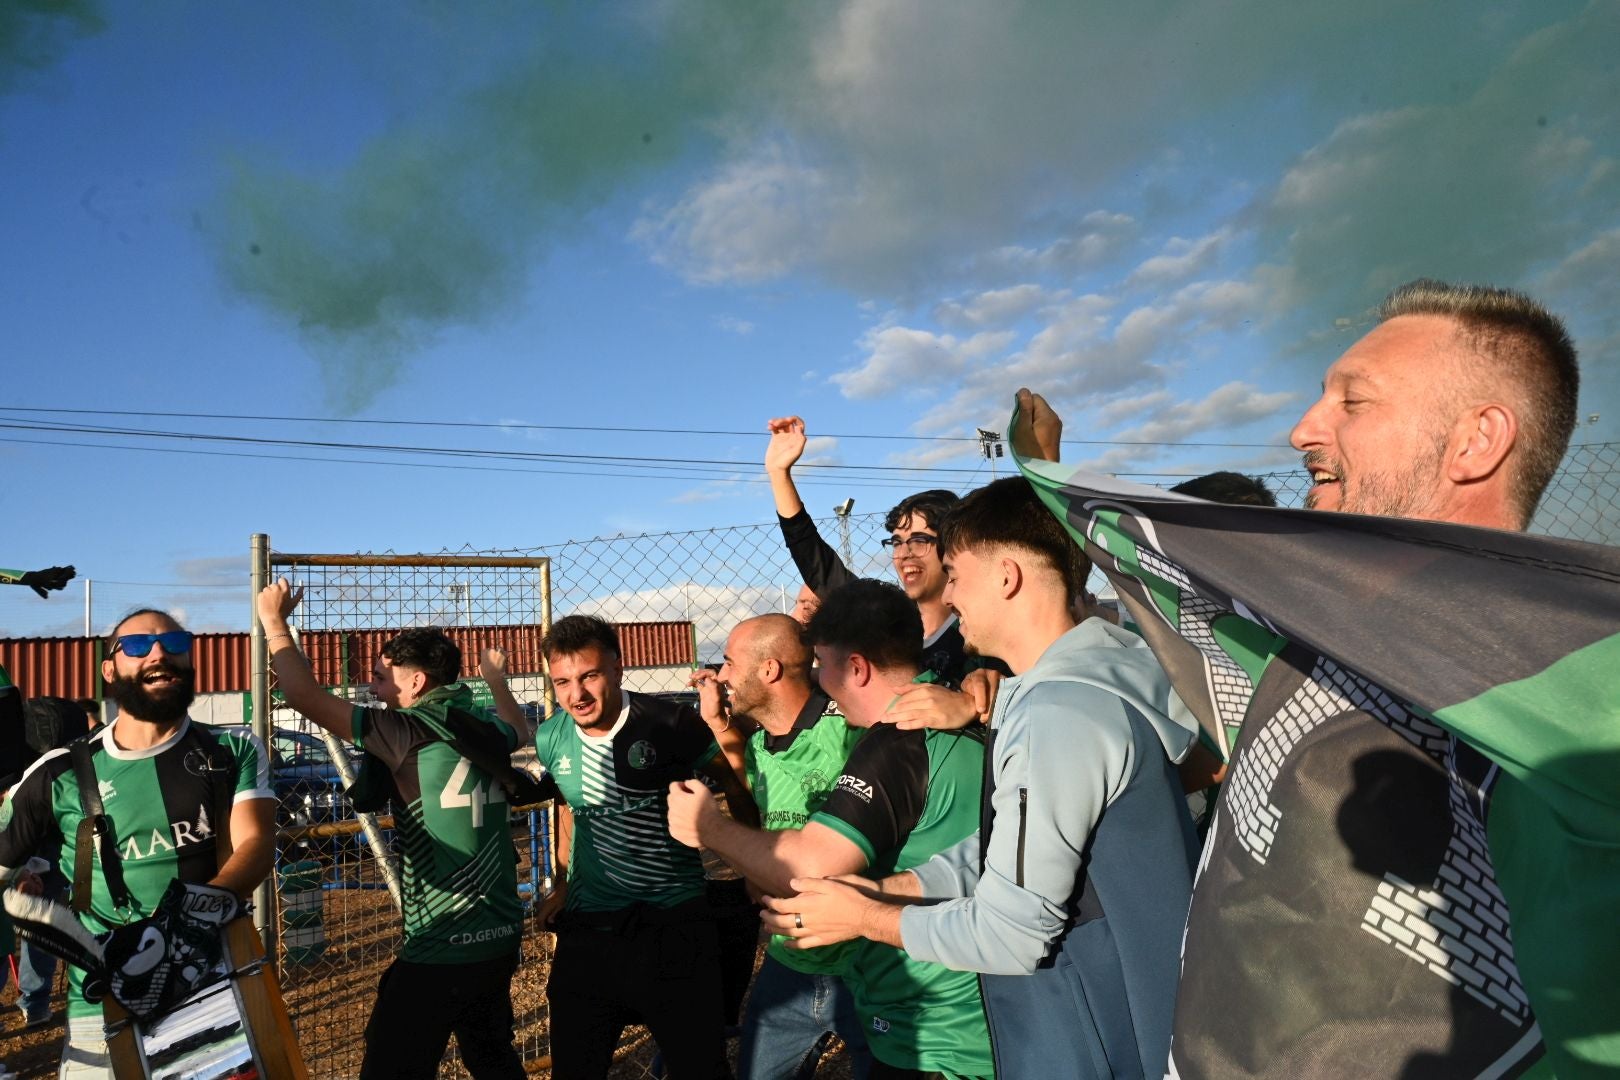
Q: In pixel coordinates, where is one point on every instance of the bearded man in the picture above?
(156, 774)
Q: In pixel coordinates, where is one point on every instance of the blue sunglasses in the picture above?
(138, 645)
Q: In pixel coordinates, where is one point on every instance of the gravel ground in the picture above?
(330, 999)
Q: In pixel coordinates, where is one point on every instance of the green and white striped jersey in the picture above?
(617, 786)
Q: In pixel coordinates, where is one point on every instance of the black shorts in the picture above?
(664, 976)
(419, 1006)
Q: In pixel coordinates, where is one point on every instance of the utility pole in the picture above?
(990, 448)
(842, 510)
(462, 591)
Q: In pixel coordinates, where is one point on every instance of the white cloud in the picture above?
(995, 307)
(733, 325)
(1486, 186)
(755, 218)
(901, 360)
(713, 610)
(1098, 237)
(1110, 363)
(1231, 405)
(702, 495)
(820, 450)
(1180, 260)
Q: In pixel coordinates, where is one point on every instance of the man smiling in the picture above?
(160, 780)
(913, 546)
(1071, 896)
(636, 940)
(1397, 880)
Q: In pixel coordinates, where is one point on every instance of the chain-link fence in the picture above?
(715, 578)
(337, 883)
(338, 923)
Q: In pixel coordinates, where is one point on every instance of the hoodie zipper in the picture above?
(1023, 823)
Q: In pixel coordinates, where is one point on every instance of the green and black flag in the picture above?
(1414, 868)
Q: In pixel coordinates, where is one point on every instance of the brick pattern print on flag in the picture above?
(1414, 868)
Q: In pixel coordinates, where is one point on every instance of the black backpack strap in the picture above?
(94, 829)
(207, 757)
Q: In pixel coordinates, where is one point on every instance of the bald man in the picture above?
(793, 760)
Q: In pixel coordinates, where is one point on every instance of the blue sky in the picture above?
(698, 215)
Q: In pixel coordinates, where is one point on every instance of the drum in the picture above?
(236, 1028)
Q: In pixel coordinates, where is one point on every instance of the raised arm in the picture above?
(294, 678)
(1039, 431)
(492, 666)
(818, 564)
(784, 451)
(41, 581)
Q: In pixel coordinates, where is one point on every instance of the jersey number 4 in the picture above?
(482, 794)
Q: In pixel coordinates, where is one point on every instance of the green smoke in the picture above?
(34, 34)
(436, 222)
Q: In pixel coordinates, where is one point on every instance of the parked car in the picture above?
(308, 785)
(680, 697)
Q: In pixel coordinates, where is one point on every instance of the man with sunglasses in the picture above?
(156, 777)
(913, 546)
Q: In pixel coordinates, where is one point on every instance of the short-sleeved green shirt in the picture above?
(160, 810)
(460, 868)
(791, 776)
(618, 788)
(903, 797)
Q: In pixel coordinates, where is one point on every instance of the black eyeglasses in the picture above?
(916, 542)
(138, 645)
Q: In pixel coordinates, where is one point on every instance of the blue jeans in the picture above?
(788, 1013)
(36, 968)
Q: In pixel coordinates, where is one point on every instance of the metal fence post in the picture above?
(259, 688)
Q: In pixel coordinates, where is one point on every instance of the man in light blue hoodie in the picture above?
(1072, 899)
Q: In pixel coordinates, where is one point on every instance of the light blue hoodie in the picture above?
(1087, 872)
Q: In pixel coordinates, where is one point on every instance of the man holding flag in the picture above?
(1415, 865)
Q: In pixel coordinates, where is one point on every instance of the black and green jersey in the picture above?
(903, 797)
(791, 775)
(160, 803)
(460, 880)
(618, 788)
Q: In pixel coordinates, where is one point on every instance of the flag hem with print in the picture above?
(1504, 640)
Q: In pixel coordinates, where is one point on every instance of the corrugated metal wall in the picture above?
(68, 667)
(52, 667)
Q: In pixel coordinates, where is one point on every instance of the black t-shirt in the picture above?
(945, 655)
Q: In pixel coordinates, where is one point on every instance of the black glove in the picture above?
(47, 581)
(158, 962)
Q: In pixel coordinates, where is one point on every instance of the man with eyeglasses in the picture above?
(913, 546)
(156, 774)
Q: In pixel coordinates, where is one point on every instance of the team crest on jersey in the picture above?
(880, 1025)
(107, 790)
(813, 781)
(642, 755)
(565, 764)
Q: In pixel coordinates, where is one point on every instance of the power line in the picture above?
(606, 460)
(694, 476)
(587, 428)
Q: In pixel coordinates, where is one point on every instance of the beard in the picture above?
(1405, 491)
(162, 705)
